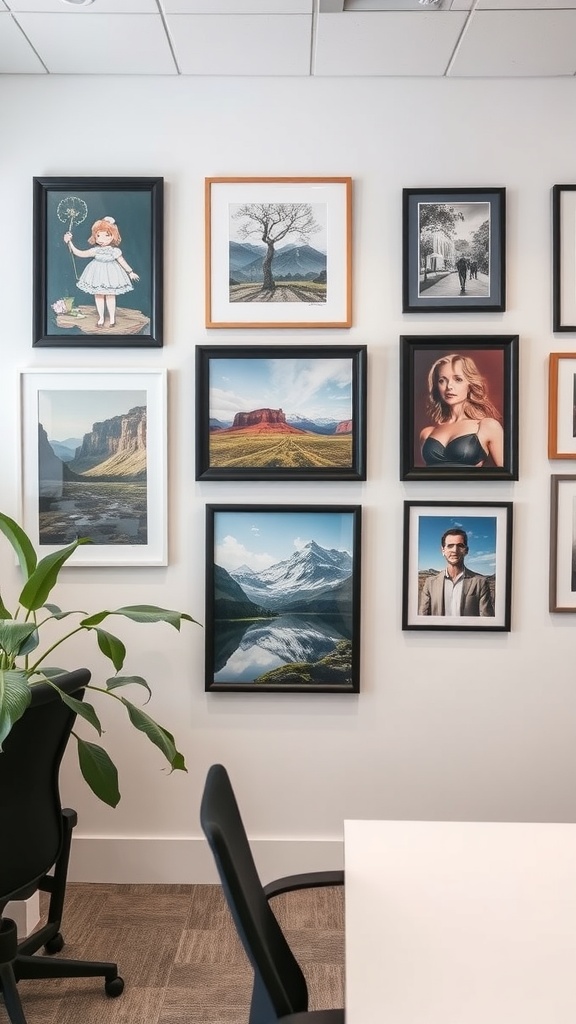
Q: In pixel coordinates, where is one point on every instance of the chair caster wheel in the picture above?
(55, 944)
(115, 987)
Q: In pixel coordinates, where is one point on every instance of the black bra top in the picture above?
(465, 450)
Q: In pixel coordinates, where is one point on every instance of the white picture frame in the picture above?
(112, 485)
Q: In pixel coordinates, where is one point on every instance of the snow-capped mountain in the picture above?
(310, 572)
(322, 425)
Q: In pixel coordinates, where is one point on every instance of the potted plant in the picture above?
(23, 661)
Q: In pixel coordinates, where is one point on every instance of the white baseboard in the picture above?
(26, 914)
(187, 861)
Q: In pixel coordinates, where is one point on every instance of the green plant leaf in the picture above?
(15, 697)
(115, 682)
(82, 708)
(42, 580)
(57, 612)
(4, 613)
(141, 613)
(50, 673)
(112, 647)
(21, 543)
(18, 637)
(99, 771)
(156, 734)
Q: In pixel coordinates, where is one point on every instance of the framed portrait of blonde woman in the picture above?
(459, 407)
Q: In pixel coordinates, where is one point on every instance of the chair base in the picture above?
(16, 966)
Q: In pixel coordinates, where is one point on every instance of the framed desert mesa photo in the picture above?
(283, 598)
(459, 407)
(94, 463)
(457, 565)
(563, 544)
(453, 250)
(97, 262)
(281, 413)
(564, 258)
(278, 252)
(562, 405)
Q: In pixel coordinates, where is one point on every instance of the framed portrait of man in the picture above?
(457, 565)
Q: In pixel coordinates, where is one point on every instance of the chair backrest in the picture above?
(277, 973)
(31, 827)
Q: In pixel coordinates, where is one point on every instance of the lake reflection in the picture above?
(244, 650)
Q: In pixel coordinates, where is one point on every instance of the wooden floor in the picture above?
(177, 950)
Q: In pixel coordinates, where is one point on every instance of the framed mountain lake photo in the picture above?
(94, 463)
(278, 252)
(281, 413)
(283, 598)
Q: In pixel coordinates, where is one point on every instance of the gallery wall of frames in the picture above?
(278, 255)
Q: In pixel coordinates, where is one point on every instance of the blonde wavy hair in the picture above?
(477, 404)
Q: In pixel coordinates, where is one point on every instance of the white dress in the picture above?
(104, 275)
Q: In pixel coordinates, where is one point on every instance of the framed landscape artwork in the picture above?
(453, 250)
(562, 543)
(562, 406)
(283, 598)
(97, 265)
(457, 565)
(278, 252)
(459, 407)
(281, 413)
(564, 258)
(94, 463)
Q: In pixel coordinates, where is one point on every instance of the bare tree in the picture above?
(272, 222)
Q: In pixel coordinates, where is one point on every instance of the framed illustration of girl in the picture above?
(98, 262)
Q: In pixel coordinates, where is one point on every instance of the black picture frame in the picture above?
(262, 622)
(436, 236)
(67, 314)
(292, 412)
(562, 575)
(563, 258)
(487, 544)
(489, 366)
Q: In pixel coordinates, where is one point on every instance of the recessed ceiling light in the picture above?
(78, 3)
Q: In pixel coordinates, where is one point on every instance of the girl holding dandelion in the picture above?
(108, 274)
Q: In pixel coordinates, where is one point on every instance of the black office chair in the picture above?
(280, 992)
(35, 837)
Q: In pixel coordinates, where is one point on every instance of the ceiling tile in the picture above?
(517, 44)
(99, 7)
(100, 44)
(237, 6)
(399, 43)
(241, 44)
(16, 55)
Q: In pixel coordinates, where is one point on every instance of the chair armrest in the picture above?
(308, 880)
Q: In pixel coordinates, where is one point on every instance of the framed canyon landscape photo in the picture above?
(283, 598)
(94, 463)
(278, 252)
(454, 250)
(97, 262)
(457, 565)
(281, 412)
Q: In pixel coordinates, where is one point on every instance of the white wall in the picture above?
(463, 726)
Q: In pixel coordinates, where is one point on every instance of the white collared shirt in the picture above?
(453, 594)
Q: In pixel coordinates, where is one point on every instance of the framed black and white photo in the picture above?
(278, 252)
(453, 250)
(94, 463)
(459, 407)
(562, 543)
(283, 598)
(97, 266)
(281, 413)
(564, 258)
(457, 565)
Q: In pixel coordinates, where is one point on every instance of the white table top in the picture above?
(460, 922)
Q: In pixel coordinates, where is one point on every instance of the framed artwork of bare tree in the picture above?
(278, 252)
